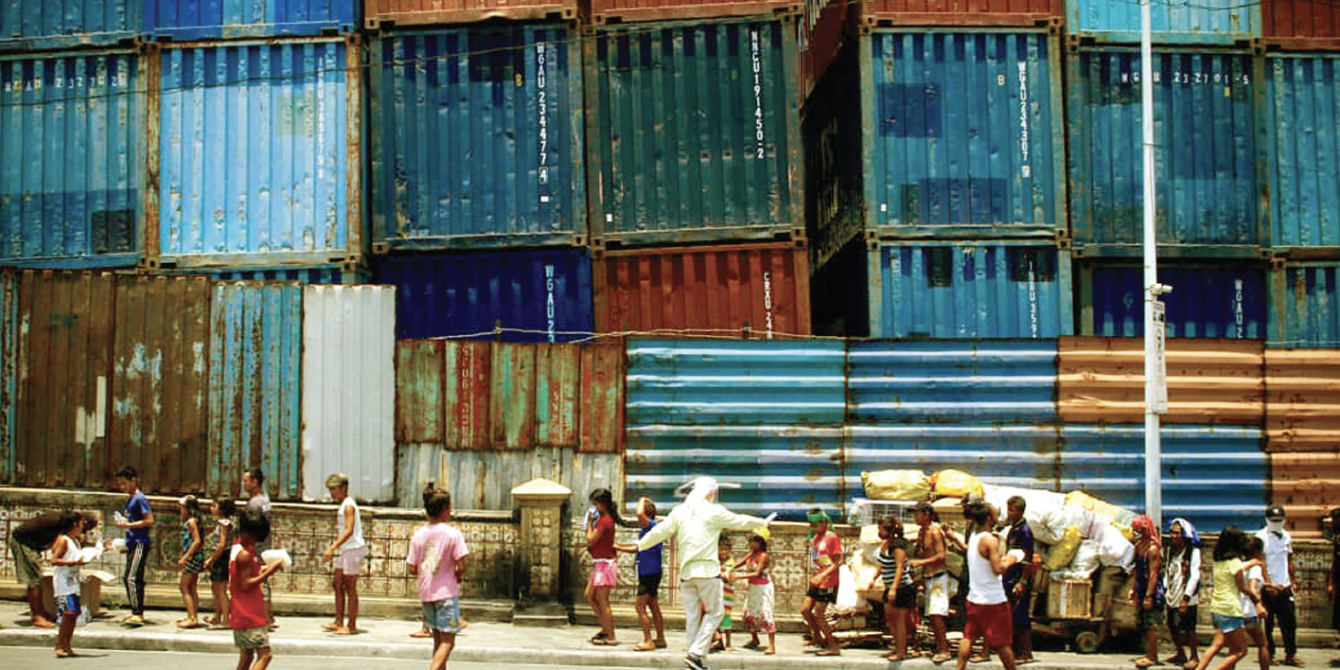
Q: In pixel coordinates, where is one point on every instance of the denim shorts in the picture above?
(443, 616)
(1226, 624)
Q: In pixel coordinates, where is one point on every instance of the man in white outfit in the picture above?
(695, 527)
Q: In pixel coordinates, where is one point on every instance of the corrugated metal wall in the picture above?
(1305, 305)
(1209, 22)
(230, 19)
(160, 381)
(969, 289)
(1304, 132)
(1101, 380)
(476, 138)
(949, 12)
(27, 25)
(534, 296)
(259, 153)
(382, 14)
(348, 390)
(72, 165)
(1225, 300)
(9, 367)
(618, 11)
(693, 132)
(1216, 475)
(484, 480)
(962, 133)
(1302, 400)
(744, 412)
(64, 380)
(1300, 24)
(1209, 192)
(255, 410)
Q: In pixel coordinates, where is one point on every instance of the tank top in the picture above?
(65, 578)
(355, 541)
(753, 563)
(984, 587)
(888, 564)
(1142, 578)
(186, 542)
(247, 606)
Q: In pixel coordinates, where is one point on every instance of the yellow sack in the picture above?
(1085, 501)
(898, 485)
(1063, 552)
(956, 484)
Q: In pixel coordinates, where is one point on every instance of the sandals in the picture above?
(1191, 664)
(751, 646)
(604, 642)
(1145, 662)
(421, 633)
(828, 652)
(940, 658)
(979, 659)
(645, 646)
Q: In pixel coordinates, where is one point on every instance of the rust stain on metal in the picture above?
(602, 405)
(1307, 485)
(952, 13)
(419, 397)
(1302, 400)
(1101, 379)
(468, 369)
(353, 71)
(512, 398)
(557, 389)
(427, 12)
(151, 65)
(611, 11)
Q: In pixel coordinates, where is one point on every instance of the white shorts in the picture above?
(937, 595)
(350, 562)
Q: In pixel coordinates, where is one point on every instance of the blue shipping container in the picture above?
(969, 290)
(1210, 22)
(1002, 455)
(1304, 141)
(1216, 476)
(476, 138)
(1305, 306)
(72, 163)
(962, 133)
(1208, 189)
(31, 25)
(534, 296)
(183, 20)
(1208, 300)
(257, 143)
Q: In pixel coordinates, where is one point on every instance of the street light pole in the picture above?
(1155, 388)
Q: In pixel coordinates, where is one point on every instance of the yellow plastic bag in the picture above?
(898, 485)
(1063, 552)
(1085, 501)
(956, 484)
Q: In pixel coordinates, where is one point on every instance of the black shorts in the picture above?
(648, 585)
(905, 597)
(819, 595)
(1182, 623)
(218, 571)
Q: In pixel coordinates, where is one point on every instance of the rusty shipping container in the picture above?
(749, 290)
(1302, 125)
(627, 11)
(9, 336)
(1210, 382)
(1307, 486)
(822, 30)
(384, 14)
(884, 13)
(1302, 400)
(160, 374)
(693, 132)
(1301, 24)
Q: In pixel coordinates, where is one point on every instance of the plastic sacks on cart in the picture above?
(899, 485)
(955, 484)
(1114, 550)
(1062, 553)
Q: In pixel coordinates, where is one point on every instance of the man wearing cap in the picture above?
(826, 557)
(1277, 594)
(933, 563)
(695, 526)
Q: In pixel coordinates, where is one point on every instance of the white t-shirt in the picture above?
(355, 541)
(1278, 549)
(65, 578)
(1248, 607)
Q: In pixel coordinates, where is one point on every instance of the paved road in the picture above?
(30, 658)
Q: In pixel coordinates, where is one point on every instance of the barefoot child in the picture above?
(251, 632)
(437, 560)
(192, 561)
(350, 545)
(217, 563)
(727, 594)
(66, 557)
(648, 580)
(758, 602)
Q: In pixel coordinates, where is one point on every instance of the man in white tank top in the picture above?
(988, 612)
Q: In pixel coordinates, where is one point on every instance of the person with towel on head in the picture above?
(1181, 584)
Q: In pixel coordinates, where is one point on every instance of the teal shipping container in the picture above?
(183, 20)
(1212, 196)
(72, 160)
(1303, 126)
(476, 138)
(1199, 22)
(37, 25)
(693, 131)
(1305, 305)
(959, 134)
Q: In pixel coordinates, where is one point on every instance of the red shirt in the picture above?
(826, 550)
(246, 608)
(604, 547)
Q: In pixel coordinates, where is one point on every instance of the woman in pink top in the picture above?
(437, 560)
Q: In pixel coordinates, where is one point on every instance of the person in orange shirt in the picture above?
(826, 557)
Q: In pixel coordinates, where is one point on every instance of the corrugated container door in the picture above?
(1301, 24)
(969, 290)
(1209, 194)
(348, 400)
(72, 165)
(963, 134)
(533, 296)
(950, 13)
(1208, 22)
(160, 377)
(29, 25)
(694, 132)
(1303, 128)
(625, 11)
(64, 375)
(255, 367)
(477, 138)
(183, 20)
(259, 154)
(383, 14)
(1208, 300)
(1305, 305)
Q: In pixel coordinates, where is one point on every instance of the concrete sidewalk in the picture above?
(494, 642)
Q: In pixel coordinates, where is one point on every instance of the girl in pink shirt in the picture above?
(437, 560)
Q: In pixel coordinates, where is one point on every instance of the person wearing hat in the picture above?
(349, 543)
(1278, 592)
(826, 559)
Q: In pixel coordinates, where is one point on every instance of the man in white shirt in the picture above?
(1278, 592)
(695, 527)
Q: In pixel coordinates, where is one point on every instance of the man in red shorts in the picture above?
(988, 607)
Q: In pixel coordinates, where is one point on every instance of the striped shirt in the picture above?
(888, 564)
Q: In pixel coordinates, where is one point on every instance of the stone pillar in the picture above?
(541, 502)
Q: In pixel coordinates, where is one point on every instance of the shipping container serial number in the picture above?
(119, 80)
(541, 83)
(756, 58)
(1192, 78)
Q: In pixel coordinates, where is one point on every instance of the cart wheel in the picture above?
(1086, 642)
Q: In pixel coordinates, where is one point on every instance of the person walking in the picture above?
(1181, 583)
(1018, 579)
(933, 562)
(1148, 586)
(1279, 588)
(695, 525)
(253, 482)
(136, 521)
(988, 610)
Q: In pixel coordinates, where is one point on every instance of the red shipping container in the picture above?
(1301, 24)
(379, 13)
(629, 11)
(825, 25)
(961, 12)
(757, 291)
